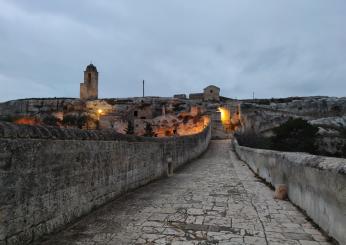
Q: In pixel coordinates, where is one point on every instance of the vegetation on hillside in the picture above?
(296, 135)
(74, 120)
(51, 120)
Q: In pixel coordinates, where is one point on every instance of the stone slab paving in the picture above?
(213, 200)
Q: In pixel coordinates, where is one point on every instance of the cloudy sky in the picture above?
(275, 48)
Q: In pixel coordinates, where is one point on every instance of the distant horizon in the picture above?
(157, 96)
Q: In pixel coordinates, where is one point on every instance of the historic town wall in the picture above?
(316, 184)
(51, 176)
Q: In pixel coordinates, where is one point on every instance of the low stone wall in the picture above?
(51, 176)
(316, 184)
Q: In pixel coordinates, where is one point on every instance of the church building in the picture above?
(89, 88)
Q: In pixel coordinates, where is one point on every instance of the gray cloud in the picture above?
(275, 48)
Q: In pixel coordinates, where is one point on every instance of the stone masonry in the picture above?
(214, 200)
(89, 88)
(51, 176)
(316, 184)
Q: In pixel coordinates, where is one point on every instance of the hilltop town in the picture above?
(181, 114)
(145, 116)
(62, 158)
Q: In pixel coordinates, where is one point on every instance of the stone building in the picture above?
(211, 93)
(180, 96)
(142, 111)
(196, 96)
(89, 89)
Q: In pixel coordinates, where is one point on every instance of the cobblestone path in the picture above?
(213, 200)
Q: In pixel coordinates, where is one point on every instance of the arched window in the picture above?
(89, 77)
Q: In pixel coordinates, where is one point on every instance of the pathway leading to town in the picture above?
(215, 199)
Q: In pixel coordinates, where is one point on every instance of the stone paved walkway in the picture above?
(214, 200)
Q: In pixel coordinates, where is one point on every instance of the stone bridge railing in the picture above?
(51, 176)
(316, 184)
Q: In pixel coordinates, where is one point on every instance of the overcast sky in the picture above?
(275, 48)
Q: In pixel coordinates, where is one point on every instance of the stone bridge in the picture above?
(215, 199)
(62, 187)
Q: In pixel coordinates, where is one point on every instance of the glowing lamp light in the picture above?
(225, 115)
(99, 113)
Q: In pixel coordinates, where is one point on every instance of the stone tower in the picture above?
(89, 89)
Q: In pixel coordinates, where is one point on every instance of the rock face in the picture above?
(167, 116)
(332, 135)
(51, 176)
(329, 114)
(313, 107)
(28, 107)
(259, 117)
(332, 122)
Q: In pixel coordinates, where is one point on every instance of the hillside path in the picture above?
(215, 199)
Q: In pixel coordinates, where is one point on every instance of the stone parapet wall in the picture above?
(50, 176)
(14, 131)
(316, 184)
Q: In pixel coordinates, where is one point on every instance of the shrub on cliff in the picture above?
(81, 121)
(295, 135)
(50, 120)
(343, 132)
(75, 120)
(254, 140)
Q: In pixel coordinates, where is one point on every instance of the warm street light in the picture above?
(99, 112)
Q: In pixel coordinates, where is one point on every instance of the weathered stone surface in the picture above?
(51, 176)
(214, 200)
(14, 131)
(330, 121)
(316, 184)
(33, 106)
(261, 118)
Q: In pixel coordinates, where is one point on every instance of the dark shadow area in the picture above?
(296, 135)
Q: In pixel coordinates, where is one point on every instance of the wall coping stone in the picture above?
(15, 131)
(317, 184)
(332, 164)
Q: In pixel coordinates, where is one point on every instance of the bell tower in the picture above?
(89, 89)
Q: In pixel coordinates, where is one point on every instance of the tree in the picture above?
(295, 135)
(149, 132)
(75, 120)
(81, 121)
(50, 120)
(69, 120)
(130, 129)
